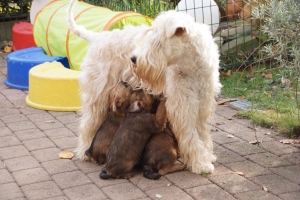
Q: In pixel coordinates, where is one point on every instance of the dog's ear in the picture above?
(175, 28)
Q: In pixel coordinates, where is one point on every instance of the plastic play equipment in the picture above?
(53, 87)
(204, 11)
(20, 62)
(51, 30)
(22, 36)
(36, 6)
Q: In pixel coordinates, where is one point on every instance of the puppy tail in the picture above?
(77, 29)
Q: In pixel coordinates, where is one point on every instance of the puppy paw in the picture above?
(104, 175)
(151, 175)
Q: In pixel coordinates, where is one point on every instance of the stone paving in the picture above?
(30, 167)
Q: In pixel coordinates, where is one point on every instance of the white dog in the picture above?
(175, 56)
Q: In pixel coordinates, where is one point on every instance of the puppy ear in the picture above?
(175, 28)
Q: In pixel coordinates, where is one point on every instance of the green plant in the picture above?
(146, 7)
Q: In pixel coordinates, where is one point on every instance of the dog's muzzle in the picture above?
(133, 60)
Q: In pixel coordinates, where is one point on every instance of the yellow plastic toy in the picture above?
(53, 87)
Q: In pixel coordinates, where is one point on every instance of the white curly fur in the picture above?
(175, 56)
(179, 57)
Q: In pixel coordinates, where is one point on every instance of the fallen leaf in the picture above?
(230, 136)
(267, 75)
(289, 141)
(7, 49)
(284, 81)
(66, 154)
(239, 173)
(242, 97)
(254, 142)
(50, 121)
(158, 196)
(264, 188)
(252, 70)
(221, 102)
(228, 73)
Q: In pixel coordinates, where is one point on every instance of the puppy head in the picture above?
(139, 101)
(119, 98)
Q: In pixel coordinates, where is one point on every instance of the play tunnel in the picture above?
(52, 33)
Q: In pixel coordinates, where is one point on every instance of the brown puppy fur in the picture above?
(160, 155)
(127, 147)
(119, 100)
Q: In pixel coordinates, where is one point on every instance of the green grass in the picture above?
(273, 102)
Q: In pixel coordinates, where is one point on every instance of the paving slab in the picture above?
(10, 191)
(43, 190)
(234, 183)
(6, 177)
(276, 184)
(31, 139)
(17, 164)
(257, 195)
(209, 192)
(29, 176)
(71, 179)
(58, 166)
(123, 191)
(85, 192)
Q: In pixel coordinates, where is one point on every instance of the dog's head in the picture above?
(140, 101)
(119, 98)
(162, 45)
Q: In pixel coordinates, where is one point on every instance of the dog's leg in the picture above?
(182, 110)
(204, 134)
(172, 168)
(96, 82)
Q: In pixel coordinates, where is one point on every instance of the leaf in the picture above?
(221, 102)
(239, 173)
(50, 121)
(252, 71)
(230, 136)
(264, 188)
(158, 196)
(254, 142)
(7, 49)
(66, 154)
(284, 81)
(228, 73)
(267, 75)
(289, 141)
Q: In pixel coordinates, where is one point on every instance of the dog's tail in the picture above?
(77, 29)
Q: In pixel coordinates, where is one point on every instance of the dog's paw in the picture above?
(202, 168)
(207, 168)
(213, 158)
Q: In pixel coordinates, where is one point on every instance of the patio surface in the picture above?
(30, 167)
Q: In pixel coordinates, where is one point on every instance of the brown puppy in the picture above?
(160, 155)
(127, 147)
(119, 99)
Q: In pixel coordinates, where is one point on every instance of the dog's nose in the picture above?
(133, 60)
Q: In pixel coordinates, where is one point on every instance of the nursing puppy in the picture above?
(160, 155)
(128, 144)
(119, 99)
